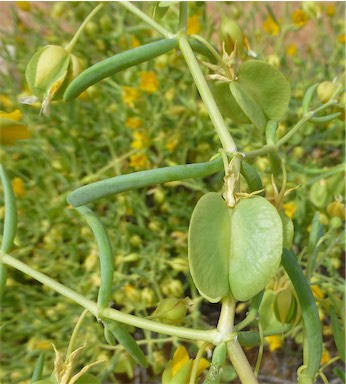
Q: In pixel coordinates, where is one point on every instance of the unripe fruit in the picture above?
(285, 306)
(231, 35)
(325, 90)
(171, 310)
(336, 209)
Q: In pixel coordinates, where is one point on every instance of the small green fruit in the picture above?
(231, 35)
(325, 90)
(171, 310)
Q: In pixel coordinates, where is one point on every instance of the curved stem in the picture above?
(10, 224)
(105, 254)
(159, 28)
(196, 363)
(211, 336)
(75, 332)
(69, 47)
(225, 137)
(240, 363)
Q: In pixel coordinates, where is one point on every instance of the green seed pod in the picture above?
(171, 311)
(50, 71)
(232, 36)
(49, 67)
(285, 306)
(325, 91)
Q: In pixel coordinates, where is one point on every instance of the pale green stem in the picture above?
(49, 282)
(69, 47)
(183, 11)
(225, 137)
(214, 52)
(71, 344)
(210, 336)
(196, 363)
(240, 363)
(236, 354)
(273, 148)
(226, 320)
(159, 28)
(293, 131)
(260, 351)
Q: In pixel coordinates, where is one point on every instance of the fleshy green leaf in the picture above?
(267, 86)
(256, 246)
(226, 102)
(209, 247)
(248, 105)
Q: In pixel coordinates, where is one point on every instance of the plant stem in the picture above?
(184, 333)
(49, 282)
(293, 131)
(225, 137)
(159, 28)
(240, 363)
(71, 344)
(211, 336)
(226, 320)
(69, 47)
(183, 10)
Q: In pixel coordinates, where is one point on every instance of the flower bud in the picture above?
(11, 129)
(232, 36)
(325, 91)
(336, 209)
(285, 306)
(172, 310)
(50, 71)
(172, 287)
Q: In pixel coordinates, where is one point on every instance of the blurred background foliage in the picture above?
(147, 117)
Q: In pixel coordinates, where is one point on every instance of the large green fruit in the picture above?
(234, 250)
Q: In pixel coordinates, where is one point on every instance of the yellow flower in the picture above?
(11, 129)
(149, 82)
(325, 357)
(42, 345)
(138, 161)
(140, 140)
(291, 50)
(130, 96)
(330, 10)
(6, 101)
(18, 187)
(171, 145)
(290, 209)
(274, 342)
(342, 38)
(193, 25)
(135, 42)
(133, 122)
(299, 18)
(181, 365)
(24, 5)
(317, 291)
(271, 26)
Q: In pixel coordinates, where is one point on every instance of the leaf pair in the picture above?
(234, 250)
(259, 93)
